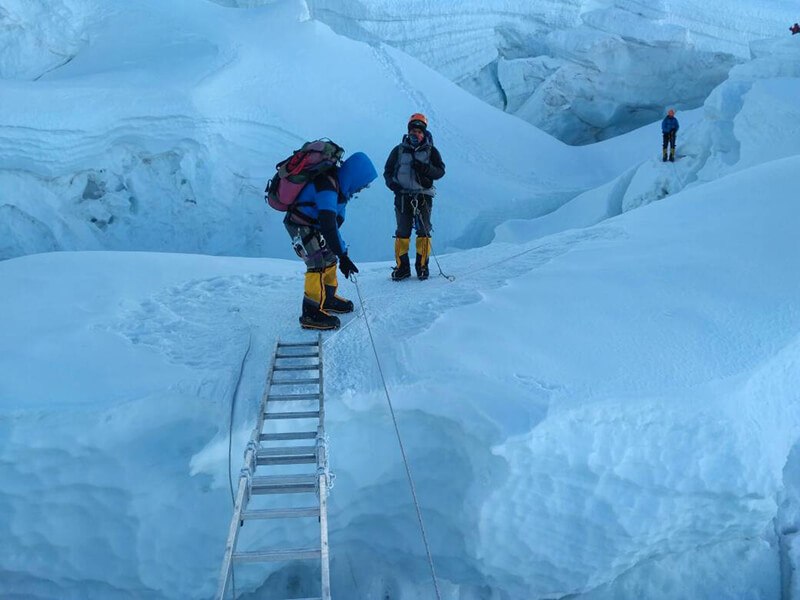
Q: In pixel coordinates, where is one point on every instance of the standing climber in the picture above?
(412, 167)
(313, 223)
(669, 129)
(795, 28)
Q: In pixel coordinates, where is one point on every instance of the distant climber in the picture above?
(412, 167)
(313, 223)
(795, 28)
(669, 129)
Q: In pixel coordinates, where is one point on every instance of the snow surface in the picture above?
(37, 36)
(615, 440)
(604, 404)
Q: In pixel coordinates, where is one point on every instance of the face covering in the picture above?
(415, 139)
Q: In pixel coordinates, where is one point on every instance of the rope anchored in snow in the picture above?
(399, 440)
(421, 221)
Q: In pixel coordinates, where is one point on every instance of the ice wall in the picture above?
(581, 70)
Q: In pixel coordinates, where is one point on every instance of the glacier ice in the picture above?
(553, 63)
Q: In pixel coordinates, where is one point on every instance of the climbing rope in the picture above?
(399, 440)
(418, 218)
(503, 260)
(233, 408)
(341, 329)
(677, 176)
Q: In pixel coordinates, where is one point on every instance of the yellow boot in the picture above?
(423, 253)
(332, 302)
(402, 270)
(314, 317)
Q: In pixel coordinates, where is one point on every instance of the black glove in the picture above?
(395, 187)
(346, 266)
(421, 168)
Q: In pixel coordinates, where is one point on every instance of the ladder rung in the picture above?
(297, 356)
(298, 368)
(295, 381)
(296, 345)
(277, 555)
(302, 459)
(285, 489)
(294, 435)
(295, 455)
(287, 397)
(286, 451)
(283, 484)
(281, 513)
(284, 479)
(309, 414)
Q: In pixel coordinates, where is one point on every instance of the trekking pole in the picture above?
(421, 221)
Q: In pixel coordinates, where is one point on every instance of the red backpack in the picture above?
(300, 168)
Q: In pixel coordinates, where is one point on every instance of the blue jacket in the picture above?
(325, 206)
(669, 124)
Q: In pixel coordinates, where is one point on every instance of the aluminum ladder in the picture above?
(300, 379)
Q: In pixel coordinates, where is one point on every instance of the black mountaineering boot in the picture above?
(403, 271)
(314, 318)
(334, 303)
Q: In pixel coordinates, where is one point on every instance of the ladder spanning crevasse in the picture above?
(278, 440)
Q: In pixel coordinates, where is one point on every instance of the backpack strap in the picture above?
(398, 152)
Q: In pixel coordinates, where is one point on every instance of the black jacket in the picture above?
(426, 174)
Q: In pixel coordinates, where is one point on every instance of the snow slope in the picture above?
(750, 119)
(147, 140)
(614, 423)
(582, 70)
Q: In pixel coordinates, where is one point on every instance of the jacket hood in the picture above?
(355, 173)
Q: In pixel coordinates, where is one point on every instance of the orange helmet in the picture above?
(418, 120)
(671, 113)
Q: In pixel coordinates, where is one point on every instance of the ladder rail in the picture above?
(242, 493)
(233, 536)
(321, 385)
(324, 477)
